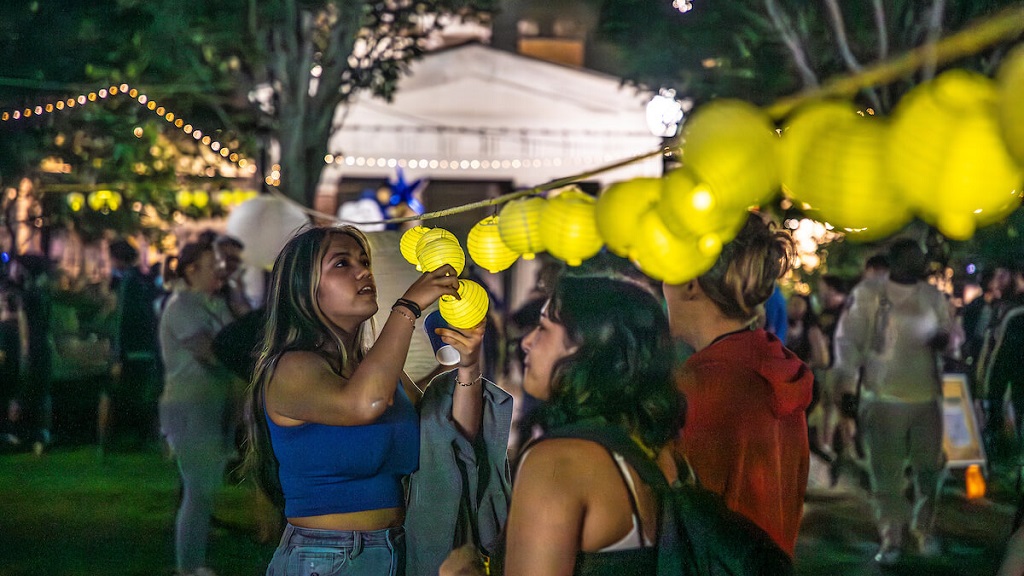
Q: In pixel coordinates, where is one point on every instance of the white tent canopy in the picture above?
(474, 112)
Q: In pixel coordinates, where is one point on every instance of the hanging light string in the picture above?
(124, 90)
(1007, 24)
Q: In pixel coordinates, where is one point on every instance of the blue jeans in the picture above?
(309, 552)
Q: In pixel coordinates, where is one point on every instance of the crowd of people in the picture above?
(725, 380)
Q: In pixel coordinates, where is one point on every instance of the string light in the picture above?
(464, 164)
(140, 99)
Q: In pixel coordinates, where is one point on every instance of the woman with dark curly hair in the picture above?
(746, 425)
(601, 355)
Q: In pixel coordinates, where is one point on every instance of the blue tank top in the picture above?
(336, 469)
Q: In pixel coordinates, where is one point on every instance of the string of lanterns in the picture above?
(106, 201)
(952, 154)
(141, 99)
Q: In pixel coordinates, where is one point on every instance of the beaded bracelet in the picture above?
(400, 311)
(412, 306)
(470, 383)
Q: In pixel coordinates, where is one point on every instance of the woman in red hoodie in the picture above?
(746, 428)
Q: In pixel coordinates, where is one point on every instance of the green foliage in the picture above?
(203, 60)
(739, 50)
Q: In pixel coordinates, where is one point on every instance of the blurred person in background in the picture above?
(135, 370)
(195, 407)
(890, 343)
(229, 259)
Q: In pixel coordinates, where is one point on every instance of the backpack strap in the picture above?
(616, 440)
(675, 547)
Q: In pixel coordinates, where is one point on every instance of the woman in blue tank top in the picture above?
(601, 355)
(335, 429)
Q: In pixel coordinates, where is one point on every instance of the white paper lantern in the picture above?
(265, 224)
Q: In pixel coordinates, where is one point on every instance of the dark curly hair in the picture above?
(621, 371)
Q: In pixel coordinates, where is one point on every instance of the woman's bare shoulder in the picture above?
(570, 456)
(300, 367)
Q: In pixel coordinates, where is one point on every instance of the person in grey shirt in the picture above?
(196, 402)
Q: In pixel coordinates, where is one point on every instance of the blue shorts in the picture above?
(310, 552)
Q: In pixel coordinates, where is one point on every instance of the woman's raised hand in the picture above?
(432, 285)
(466, 341)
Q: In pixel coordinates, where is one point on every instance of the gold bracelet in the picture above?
(399, 310)
(470, 383)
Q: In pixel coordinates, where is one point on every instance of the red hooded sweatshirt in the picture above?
(746, 428)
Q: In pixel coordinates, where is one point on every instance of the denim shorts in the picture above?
(310, 552)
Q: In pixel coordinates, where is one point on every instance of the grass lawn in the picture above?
(71, 513)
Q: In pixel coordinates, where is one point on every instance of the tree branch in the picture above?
(839, 27)
(883, 29)
(1006, 25)
(790, 39)
(934, 32)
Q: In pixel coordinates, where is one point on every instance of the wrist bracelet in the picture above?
(403, 313)
(412, 306)
(467, 384)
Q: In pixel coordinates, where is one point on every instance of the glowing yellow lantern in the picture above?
(731, 146)
(469, 309)
(97, 200)
(946, 153)
(438, 247)
(568, 228)
(1011, 102)
(200, 198)
(75, 201)
(519, 226)
(619, 208)
(810, 123)
(114, 200)
(486, 248)
(664, 256)
(183, 198)
(838, 169)
(689, 207)
(407, 244)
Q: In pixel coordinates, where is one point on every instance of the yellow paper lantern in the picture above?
(519, 226)
(467, 311)
(946, 153)
(200, 199)
(619, 208)
(1010, 79)
(97, 200)
(667, 257)
(810, 123)
(486, 248)
(836, 165)
(689, 207)
(568, 228)
(75, 201)
(407, 244)
(114, 200)
(438, 247)
(731, 146)
(183, 198)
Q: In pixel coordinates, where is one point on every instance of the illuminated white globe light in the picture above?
(664, 113)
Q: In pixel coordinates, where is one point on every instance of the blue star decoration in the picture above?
(403, 197)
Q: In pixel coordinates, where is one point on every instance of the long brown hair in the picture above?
(294, 321)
